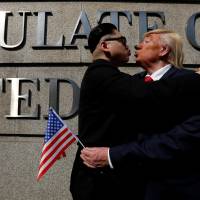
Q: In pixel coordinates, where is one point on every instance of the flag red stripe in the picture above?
(55, 149)
(53, 141)
(54, 160)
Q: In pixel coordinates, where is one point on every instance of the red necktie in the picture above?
(148, 79)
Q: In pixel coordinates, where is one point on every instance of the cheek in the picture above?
(148, 55)
(151, 51)
(121, 51)
(122, 56)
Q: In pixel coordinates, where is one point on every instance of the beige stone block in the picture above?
(19, 158)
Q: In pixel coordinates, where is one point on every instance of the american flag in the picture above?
(58, 138)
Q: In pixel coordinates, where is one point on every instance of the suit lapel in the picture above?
(170, 73)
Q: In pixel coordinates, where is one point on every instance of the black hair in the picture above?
(98, 32)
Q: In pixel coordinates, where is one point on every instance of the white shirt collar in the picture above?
(157, 75)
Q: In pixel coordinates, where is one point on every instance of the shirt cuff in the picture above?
(109, 160)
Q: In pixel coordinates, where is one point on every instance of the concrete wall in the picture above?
(21, 139)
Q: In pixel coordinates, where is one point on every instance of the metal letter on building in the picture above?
(54, 90)
(114, 16)
(4, 29)
(2, 87)
(16, 97)
(190, 30)
(83, 19)
(143, 21)
(42, 32)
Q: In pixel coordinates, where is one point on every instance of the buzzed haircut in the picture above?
(98, 32)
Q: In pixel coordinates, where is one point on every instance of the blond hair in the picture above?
(174, 41)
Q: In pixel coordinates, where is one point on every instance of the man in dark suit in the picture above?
(168, 142)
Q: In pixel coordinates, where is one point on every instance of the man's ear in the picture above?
(104, 46)
(164, 50)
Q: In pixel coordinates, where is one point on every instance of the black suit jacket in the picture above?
(108, 100)
(168, 152)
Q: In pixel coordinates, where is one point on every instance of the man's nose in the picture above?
(127, 47)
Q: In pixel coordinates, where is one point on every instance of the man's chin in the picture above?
(128, 58)
(137, 62)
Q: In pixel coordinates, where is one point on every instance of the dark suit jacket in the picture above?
(108, 100)
(168, 148)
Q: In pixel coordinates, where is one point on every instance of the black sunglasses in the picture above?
(121, 39)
